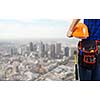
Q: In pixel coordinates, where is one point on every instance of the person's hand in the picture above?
(71, 28)
(69, 34)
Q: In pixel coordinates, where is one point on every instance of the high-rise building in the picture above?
(14, 51)
(46, 50)
(52, 50)
(41, 49)
(35, 47)
(58, 50)
(31, 46)
(66, 51)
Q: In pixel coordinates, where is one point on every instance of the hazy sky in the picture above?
(36, 28)
(21, 18)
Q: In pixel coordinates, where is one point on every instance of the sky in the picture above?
(36, 18)
(35, 28)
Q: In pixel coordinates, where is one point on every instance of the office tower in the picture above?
(31, 46)
(14, 51)
(41, 49)
(52, 50)
(66, 51)
(35, 47)
(58, 50)
(46, 50)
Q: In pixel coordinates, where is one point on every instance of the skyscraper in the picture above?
(35, 47)
(14, 51)
(52, 50)
(46, 50)
(31, 46)
(41, 49)
(66, 51)
(58, 50)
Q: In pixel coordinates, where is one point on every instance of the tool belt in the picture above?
(87, 53)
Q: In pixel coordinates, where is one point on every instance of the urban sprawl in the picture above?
(36, 61)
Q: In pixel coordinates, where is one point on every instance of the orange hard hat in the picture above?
(80, 31)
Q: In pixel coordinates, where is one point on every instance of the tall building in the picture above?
(35, 47)
(31, 46)
(41, 49)
(66, 51)
(52, 51)
(14, 51)
(46, 50)
(58, 50)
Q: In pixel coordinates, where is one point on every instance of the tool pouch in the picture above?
(87, 53)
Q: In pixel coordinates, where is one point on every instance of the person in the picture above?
(93, 25)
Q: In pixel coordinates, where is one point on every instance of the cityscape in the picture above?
(37, 60)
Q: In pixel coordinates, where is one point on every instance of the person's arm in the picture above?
(71, 28)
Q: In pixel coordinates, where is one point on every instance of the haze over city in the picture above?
(36, 50)
(36, 28)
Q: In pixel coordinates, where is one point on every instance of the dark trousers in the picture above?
(90, 75)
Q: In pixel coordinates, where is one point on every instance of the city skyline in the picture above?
(36, 60)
